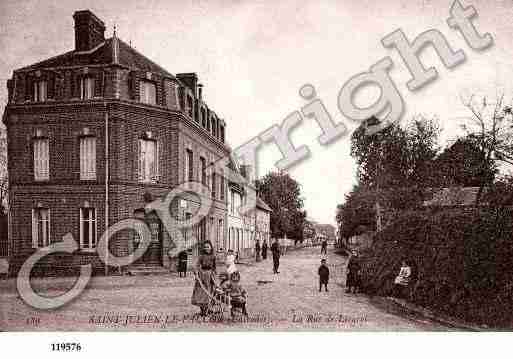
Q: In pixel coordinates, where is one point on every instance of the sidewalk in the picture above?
(429, 314)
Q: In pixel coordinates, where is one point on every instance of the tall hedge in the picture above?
(462, 262)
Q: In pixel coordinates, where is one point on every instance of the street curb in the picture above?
(436, 317)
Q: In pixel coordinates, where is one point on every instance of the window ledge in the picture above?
(86, 250)
(45, 249)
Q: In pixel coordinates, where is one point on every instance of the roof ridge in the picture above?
(146, 58)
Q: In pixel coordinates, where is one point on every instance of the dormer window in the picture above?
(147, 92)
(203, 118)
(40, 90)
(214, 126)
(87, 88)
(189, 106)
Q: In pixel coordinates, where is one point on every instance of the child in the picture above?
(238, 294)
(230, 262)
(324, 275)
(402, 281)
(182, 263)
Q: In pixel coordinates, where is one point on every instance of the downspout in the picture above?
(106, 182)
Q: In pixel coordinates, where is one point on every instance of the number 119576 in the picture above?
(66, 347)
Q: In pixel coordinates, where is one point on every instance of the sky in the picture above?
(253, 57)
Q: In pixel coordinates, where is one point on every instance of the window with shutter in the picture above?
(87, 87)
(147, 92)
(88, 228)
(190, 107)
(87, 158)
(190, 165)
(148, 161)
(40, 90)
(203, 164)
(41, 159)
(214, 182)
(40, 227)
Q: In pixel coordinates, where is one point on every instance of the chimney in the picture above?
(190, 80)
(89, 30)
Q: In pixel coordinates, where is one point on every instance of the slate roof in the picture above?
(262, 205)
(103, 55)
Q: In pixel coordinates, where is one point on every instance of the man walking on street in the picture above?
(324, 246)
(275, 249)
(264, 250)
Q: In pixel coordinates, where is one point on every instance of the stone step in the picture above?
(148, 271)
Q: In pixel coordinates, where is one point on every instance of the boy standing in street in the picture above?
(324, 275)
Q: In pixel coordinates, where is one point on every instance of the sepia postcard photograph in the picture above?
(332, 170)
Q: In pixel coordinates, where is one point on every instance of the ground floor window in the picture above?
(40, 227)
(88, 228)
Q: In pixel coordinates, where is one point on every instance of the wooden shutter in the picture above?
(45, 161)
(48, 228)
(81, 219)
(34, 229)
(76, 85)
(157, 159)
(140, 160)
(142, 92)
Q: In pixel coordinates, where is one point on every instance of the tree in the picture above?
(283, 194)
(489, 127)
(394, 164)
(358, 211)
(396, 156)
(463, 164)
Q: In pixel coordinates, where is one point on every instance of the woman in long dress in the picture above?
(205, 272)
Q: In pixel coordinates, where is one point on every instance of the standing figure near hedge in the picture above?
(402, 281)
(353, 273)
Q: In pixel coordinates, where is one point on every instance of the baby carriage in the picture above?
(230, 295)
(216, 305)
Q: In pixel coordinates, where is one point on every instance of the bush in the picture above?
(462, 263)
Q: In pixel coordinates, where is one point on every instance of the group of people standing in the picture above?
(261, 253)
(206, 283)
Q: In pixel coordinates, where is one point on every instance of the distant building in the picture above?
(245, 229)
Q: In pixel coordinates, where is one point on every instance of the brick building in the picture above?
(96, 133)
